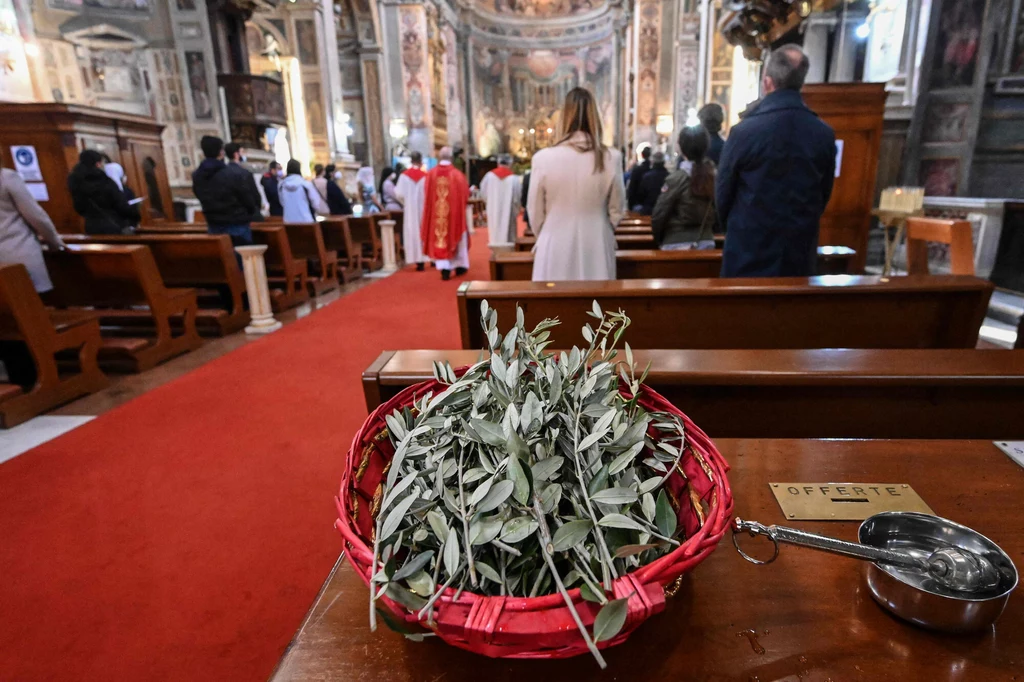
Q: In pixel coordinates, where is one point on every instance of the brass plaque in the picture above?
(845, 501)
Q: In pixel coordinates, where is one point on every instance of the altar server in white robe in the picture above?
(501, 188)
(576, 198)
(409, 190)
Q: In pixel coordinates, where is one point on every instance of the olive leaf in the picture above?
(518, 529)
(395, 517)
(571, 534)
(616, 495)
(665, 516)
(413, 565)
(496, 496)
(619, 521)
(610, 619)
(451, 552)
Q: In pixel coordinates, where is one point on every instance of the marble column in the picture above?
(256, 288)
(387, 245)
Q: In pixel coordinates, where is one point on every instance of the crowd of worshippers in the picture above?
(765, 188)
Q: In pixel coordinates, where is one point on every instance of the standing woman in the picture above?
(684, 216)
(387, 190)
(576, 198)
(22, 223)
(367, 192)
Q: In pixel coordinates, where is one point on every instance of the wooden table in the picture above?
(811, 612)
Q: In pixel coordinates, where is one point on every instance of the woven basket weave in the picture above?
(540, 627)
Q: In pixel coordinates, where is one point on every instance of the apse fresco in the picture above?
(524, 90)
(540, 8)
(956, 52)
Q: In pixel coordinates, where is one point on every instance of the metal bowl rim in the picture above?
(960, 526)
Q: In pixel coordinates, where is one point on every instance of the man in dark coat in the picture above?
(775, 178)
(711, 117)
(225, 192)
(234, 154)
(652, 184)
(636, 176)
(270, 181)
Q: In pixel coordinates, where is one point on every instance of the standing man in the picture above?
(775, 178)
(636, 177)
(501, 189)
(409, 190)
(235, 154)
(226, 193)
(444, 234)
(711, 117)
(270, 181)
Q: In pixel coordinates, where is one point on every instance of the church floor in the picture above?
(183, 533)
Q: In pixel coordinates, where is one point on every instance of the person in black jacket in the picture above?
(271, 179)
(226, 193)
(337, 202)
(711, 117)
(775, 178)
(98, 199)
(522, 202)
(234, 154)
(636, 176)
(652, 184)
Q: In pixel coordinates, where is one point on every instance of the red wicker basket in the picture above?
(540, 627)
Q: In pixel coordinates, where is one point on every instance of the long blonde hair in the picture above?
(579, 115)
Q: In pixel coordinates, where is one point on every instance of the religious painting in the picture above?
(1017, 46)
(202, 101)
(117, 5)
(956, 50)
(940, 177)
(305, 37)
(316, 119)
(415, 74)
(541, 8)
(945, 122)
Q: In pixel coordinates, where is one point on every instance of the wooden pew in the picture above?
(201, 261)
(957, 234)
(307, 241)
(797, 312)
(653, 264)
(624, 241)
(834, 393)
(24, 320)
(338, 238)
(287, 275)
(366, 238)
(172, 228)
(123, 285)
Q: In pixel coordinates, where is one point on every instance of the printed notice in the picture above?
(38, 191)
(1013, 448)
(26, 163)
(839, 156)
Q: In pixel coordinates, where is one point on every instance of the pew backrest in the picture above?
(22, 313)
(957, 234)
(105, 275)
(838, 311)
(306, 239)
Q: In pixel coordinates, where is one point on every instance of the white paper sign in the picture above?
(1013, 448)
(38, 191)
(839, 156)
(26, 163)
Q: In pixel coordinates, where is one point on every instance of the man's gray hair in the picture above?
(658, 159)
(445, 154)
(504, 159)
(787, 67)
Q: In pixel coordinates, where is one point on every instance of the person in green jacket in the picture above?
(684, 215)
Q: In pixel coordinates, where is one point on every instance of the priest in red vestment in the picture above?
(443, 228)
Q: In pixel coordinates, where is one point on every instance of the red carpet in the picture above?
(183, 535)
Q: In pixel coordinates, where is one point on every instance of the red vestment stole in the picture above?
(414, 174)
(444, 211)
(502, 172)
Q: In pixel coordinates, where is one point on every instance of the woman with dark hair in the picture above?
(576, 198)
(387, 190)
(299, 198)
(684, 216)
(337, 202)
(99, 199)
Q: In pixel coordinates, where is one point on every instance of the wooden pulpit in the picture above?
(57, 133)
(856, 112)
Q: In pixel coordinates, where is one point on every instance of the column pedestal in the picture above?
(387, 245)
(256, 288)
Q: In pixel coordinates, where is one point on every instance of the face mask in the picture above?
(243, 158)
(280, 173)
(337, 175)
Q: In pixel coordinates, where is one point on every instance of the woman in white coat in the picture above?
(576, 198)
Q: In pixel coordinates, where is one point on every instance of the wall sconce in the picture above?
(398, 129)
